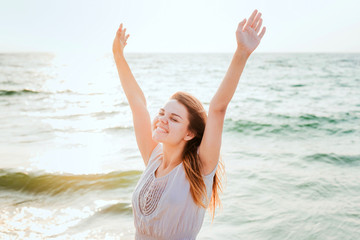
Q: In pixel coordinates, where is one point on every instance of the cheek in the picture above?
(154, 122)
(178, 128)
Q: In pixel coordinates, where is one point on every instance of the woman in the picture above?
(181, 147)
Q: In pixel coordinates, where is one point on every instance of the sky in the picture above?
(176, 25)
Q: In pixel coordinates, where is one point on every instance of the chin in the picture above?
(157, 138)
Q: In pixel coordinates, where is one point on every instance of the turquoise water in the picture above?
(291, 144)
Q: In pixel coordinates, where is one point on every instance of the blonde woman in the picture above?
(181, 146)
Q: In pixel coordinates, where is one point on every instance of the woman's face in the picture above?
(171, 124)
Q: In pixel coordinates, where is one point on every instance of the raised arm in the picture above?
(135, 97)
(248, 38)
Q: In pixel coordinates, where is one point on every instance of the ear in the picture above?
(190, 135)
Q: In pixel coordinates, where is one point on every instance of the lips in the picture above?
(161, 129)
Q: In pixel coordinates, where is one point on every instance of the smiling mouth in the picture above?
(160, 129)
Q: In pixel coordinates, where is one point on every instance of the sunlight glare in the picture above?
(75, 160)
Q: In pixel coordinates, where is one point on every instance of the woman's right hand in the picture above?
(120, 40)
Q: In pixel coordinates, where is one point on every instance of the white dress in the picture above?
(163, 207)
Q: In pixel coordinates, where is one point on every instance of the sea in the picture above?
(291, 143)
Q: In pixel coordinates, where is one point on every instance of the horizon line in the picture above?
(188, 52)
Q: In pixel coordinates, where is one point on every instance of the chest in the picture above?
(156, 195)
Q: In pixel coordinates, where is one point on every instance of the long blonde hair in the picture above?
(191, 161)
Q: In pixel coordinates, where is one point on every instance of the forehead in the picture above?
(173, 106)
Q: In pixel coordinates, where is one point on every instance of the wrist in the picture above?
(118, 55)
(242, 53)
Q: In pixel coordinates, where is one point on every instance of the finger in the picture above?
(241, 25)
(118, 33)
(256, 20)
(127, 37)
(262, 32)
(123, 33)
(251, 19)
(258, 26)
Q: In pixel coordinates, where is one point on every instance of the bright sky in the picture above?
(177, 25)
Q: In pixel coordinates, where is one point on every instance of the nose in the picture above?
(163, 119)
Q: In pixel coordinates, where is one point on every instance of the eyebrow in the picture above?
(161, 109)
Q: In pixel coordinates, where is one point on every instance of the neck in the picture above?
(172, 154)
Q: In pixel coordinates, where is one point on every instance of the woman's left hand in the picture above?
(247, 33)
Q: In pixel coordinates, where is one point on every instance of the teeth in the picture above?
(160, 129)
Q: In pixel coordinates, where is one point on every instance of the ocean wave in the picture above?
(312, 117)
(17, 92)
(244, 126)
(334, 159)
(257, 128)
(280, 63)
(118, 128)
(6, 92)
(54, 184)
(117, 208)
(102, 114)
(92, 222)
(287, 125)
